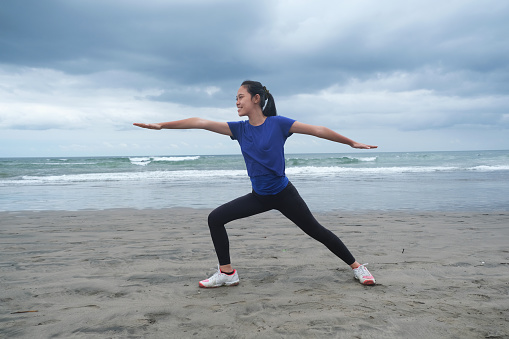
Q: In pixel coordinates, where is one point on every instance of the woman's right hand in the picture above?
(149, 126)
(362, 146)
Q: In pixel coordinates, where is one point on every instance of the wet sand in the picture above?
(134, 274)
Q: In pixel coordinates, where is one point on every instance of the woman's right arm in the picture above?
(191, 123)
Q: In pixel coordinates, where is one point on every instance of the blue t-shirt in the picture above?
(263, 150)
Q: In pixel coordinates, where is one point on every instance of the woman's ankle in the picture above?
(355, 265)
(226, 268)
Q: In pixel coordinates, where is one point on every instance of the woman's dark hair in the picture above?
(267, 103)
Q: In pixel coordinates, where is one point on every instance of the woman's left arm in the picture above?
(326, 133)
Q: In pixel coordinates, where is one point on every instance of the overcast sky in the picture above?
(404, 75)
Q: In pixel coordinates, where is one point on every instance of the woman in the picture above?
(261, 140)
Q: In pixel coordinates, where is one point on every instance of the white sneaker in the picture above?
(362, 274)
(220, 279)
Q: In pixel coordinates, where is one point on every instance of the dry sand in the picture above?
(134, 274)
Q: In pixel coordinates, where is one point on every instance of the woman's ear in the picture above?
(256, 98)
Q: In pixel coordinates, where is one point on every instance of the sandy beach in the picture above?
(128, 273)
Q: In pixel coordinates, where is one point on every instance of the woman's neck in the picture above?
(257, 119)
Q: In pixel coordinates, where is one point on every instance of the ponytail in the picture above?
(270, 106)
(267, 103)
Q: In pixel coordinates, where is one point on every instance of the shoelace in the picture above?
(363, 270)
(218, 272)
(215, 274)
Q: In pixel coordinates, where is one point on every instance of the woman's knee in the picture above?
(215, 219)
(315, 230)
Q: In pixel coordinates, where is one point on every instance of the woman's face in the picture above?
(246, 103)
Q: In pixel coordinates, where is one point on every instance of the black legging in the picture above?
(289, 203)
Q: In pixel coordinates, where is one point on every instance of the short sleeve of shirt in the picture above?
(285, 124)
(235, 128)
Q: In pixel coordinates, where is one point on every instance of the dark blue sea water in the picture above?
(420, 181)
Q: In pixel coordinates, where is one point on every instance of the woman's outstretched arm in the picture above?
(191, 123)
(326, 133)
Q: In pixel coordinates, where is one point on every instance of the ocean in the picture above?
(364, 181)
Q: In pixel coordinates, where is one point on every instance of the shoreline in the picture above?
(346, 212)
(120, 273)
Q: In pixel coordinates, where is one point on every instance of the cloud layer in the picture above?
(409, 68)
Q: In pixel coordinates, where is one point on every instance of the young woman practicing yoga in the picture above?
(262, 138)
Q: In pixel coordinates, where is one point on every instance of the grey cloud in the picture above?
(463, 38)
(222, 42)
(89, 36)
(455, 49)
